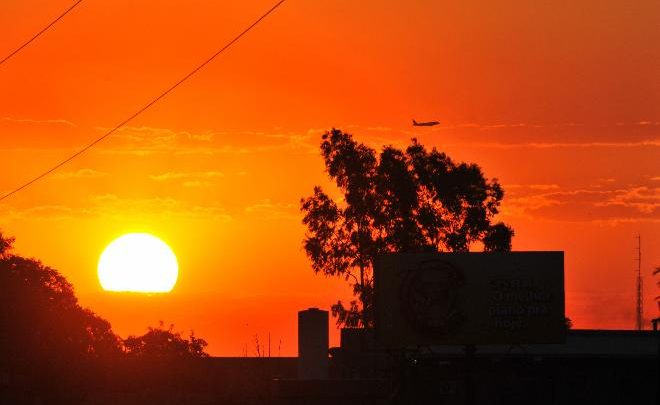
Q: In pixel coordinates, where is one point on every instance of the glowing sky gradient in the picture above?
(559, 101)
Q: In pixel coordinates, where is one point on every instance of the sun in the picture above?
(138, 262)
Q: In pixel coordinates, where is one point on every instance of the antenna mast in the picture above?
(639, 310)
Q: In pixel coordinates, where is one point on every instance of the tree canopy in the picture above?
(41, 316)
(56, 350)
(49, 340)
(164, 343)
(411, 200)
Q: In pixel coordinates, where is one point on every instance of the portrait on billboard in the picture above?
(470, 298)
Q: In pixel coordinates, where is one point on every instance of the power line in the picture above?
(143, 109)
(41, 32)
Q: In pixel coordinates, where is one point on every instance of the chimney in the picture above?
(312, 344)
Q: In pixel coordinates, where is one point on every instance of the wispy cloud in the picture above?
(116, 206)
(147, 141)
(592, 204)
(533, 186)
(196, 183)
(292, 141)
(643, 199)
(273, 210)
(113, 206)
(79, 174)
(565, 145)
(186, 175)
(50, 212)
(202, 137)
(39, 121)
(511, 135)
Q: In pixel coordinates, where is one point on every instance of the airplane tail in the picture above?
(414, 122)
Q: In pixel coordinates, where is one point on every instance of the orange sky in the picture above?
(560, 101)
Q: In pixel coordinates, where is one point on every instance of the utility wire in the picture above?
(143, 109)
(6, 58)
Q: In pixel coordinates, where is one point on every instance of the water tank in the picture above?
(312, 344)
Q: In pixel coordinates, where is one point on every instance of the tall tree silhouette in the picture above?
(396, 201)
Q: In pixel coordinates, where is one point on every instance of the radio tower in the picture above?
(639, 310)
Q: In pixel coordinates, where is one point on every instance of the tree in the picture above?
(5, 245)
(54, 349)
(164, 343)
(41, 314)
(46, 337)
(397, 201)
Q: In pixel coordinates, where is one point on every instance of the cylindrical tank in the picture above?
(312, 344)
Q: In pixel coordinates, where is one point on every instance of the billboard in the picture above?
(469, 298)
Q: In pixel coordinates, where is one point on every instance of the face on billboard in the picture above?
(429, 295)
(470, 298)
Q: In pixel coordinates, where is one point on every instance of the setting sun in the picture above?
(138, 262)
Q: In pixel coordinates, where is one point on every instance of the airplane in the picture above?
(425, 124)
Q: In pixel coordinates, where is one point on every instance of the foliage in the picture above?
(5, 245)
(164, 343)
(568, 323)
(41, 316)
(52, 347)
(48, 342)
(397, 201)
(42, 321)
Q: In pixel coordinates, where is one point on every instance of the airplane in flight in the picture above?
(425, 124)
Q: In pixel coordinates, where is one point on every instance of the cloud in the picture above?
(186, 175)
(43, 212)
(549, 145)
(516, 125)
(113, 206)
(146, 141)
(79, 174)
(292, 141)
(144, 136)
(202, 137)
(221, 150)
(268, 209)
(379, 128)
(533, 186)
(189, 179)
(640, 203)
(510, 136)
(36, 121)
(644, 199)
(196, 183)
(527, 206)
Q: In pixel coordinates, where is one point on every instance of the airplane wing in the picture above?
(425, 124)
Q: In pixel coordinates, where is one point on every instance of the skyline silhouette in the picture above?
(558, 103)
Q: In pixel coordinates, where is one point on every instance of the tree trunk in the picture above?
(364, 316)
